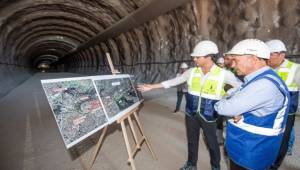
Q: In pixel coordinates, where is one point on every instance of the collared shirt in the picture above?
(297, 75)
(261, 98)
(229, 78)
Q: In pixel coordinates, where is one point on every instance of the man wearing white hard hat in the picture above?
(181, 88)
(290, 74)
(205, 88)
(259, 109)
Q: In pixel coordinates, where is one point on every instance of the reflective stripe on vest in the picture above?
(252, 138)
(258, 130)
(211, 87)
(278, 126)
(287, 74)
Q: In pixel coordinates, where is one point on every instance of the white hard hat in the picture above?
(276, 46)
(184, 65)
(251, 46)
(205, 48)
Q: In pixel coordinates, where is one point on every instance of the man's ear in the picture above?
(282, 55)
(254, 59)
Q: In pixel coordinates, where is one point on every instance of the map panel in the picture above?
(117, 94)
(76, 107)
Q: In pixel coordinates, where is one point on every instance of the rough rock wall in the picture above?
(43, 31)
(33, 31)
(11, 76)
(233, 20)
(151, 52)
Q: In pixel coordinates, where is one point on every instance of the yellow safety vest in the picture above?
(287, 73)
(211, 88)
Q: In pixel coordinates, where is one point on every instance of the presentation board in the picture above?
(83, 105)
(76, 107)
(117, 94)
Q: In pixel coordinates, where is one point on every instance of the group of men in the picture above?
(261, 108)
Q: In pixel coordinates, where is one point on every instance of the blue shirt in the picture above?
(261, 98)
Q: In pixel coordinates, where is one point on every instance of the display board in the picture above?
(77, 109)
(117, 94)
(83, 105)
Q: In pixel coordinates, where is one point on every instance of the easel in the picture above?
(121, 121)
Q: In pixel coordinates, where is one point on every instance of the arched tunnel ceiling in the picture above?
(30, 29)
(74, 36)
(60, 25)
(33, 31)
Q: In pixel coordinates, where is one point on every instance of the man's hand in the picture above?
(144, 87)
(236, 119)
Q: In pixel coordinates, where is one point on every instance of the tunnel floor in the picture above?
(30, 139)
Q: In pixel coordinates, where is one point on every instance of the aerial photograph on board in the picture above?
(76, 107)
(117, 94)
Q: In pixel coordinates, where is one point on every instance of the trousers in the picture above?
(285, 142)
(179, 99)
(193, 125)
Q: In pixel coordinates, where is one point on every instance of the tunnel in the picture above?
(145, 38)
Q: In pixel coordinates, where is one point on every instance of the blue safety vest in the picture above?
(254, 141)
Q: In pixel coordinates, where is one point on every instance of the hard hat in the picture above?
(251, 46)
(220, 60)
(205, 48)
(276, 46)
(184, 65)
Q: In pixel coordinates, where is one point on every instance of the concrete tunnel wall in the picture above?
(34, 32)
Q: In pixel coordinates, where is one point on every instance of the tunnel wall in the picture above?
(268, 19)
(154, 50)
(11, 76)
(37, 30)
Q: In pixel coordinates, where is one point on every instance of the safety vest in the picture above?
(287, 72)
(209, 90)
(254, 142)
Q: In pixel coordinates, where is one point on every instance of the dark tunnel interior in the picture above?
(146, 38)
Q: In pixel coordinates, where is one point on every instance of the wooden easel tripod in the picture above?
(121, 121)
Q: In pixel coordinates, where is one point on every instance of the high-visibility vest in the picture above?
(211, 88)
(287, 74)
(208, 91)
(194, 82)
(254, 141)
